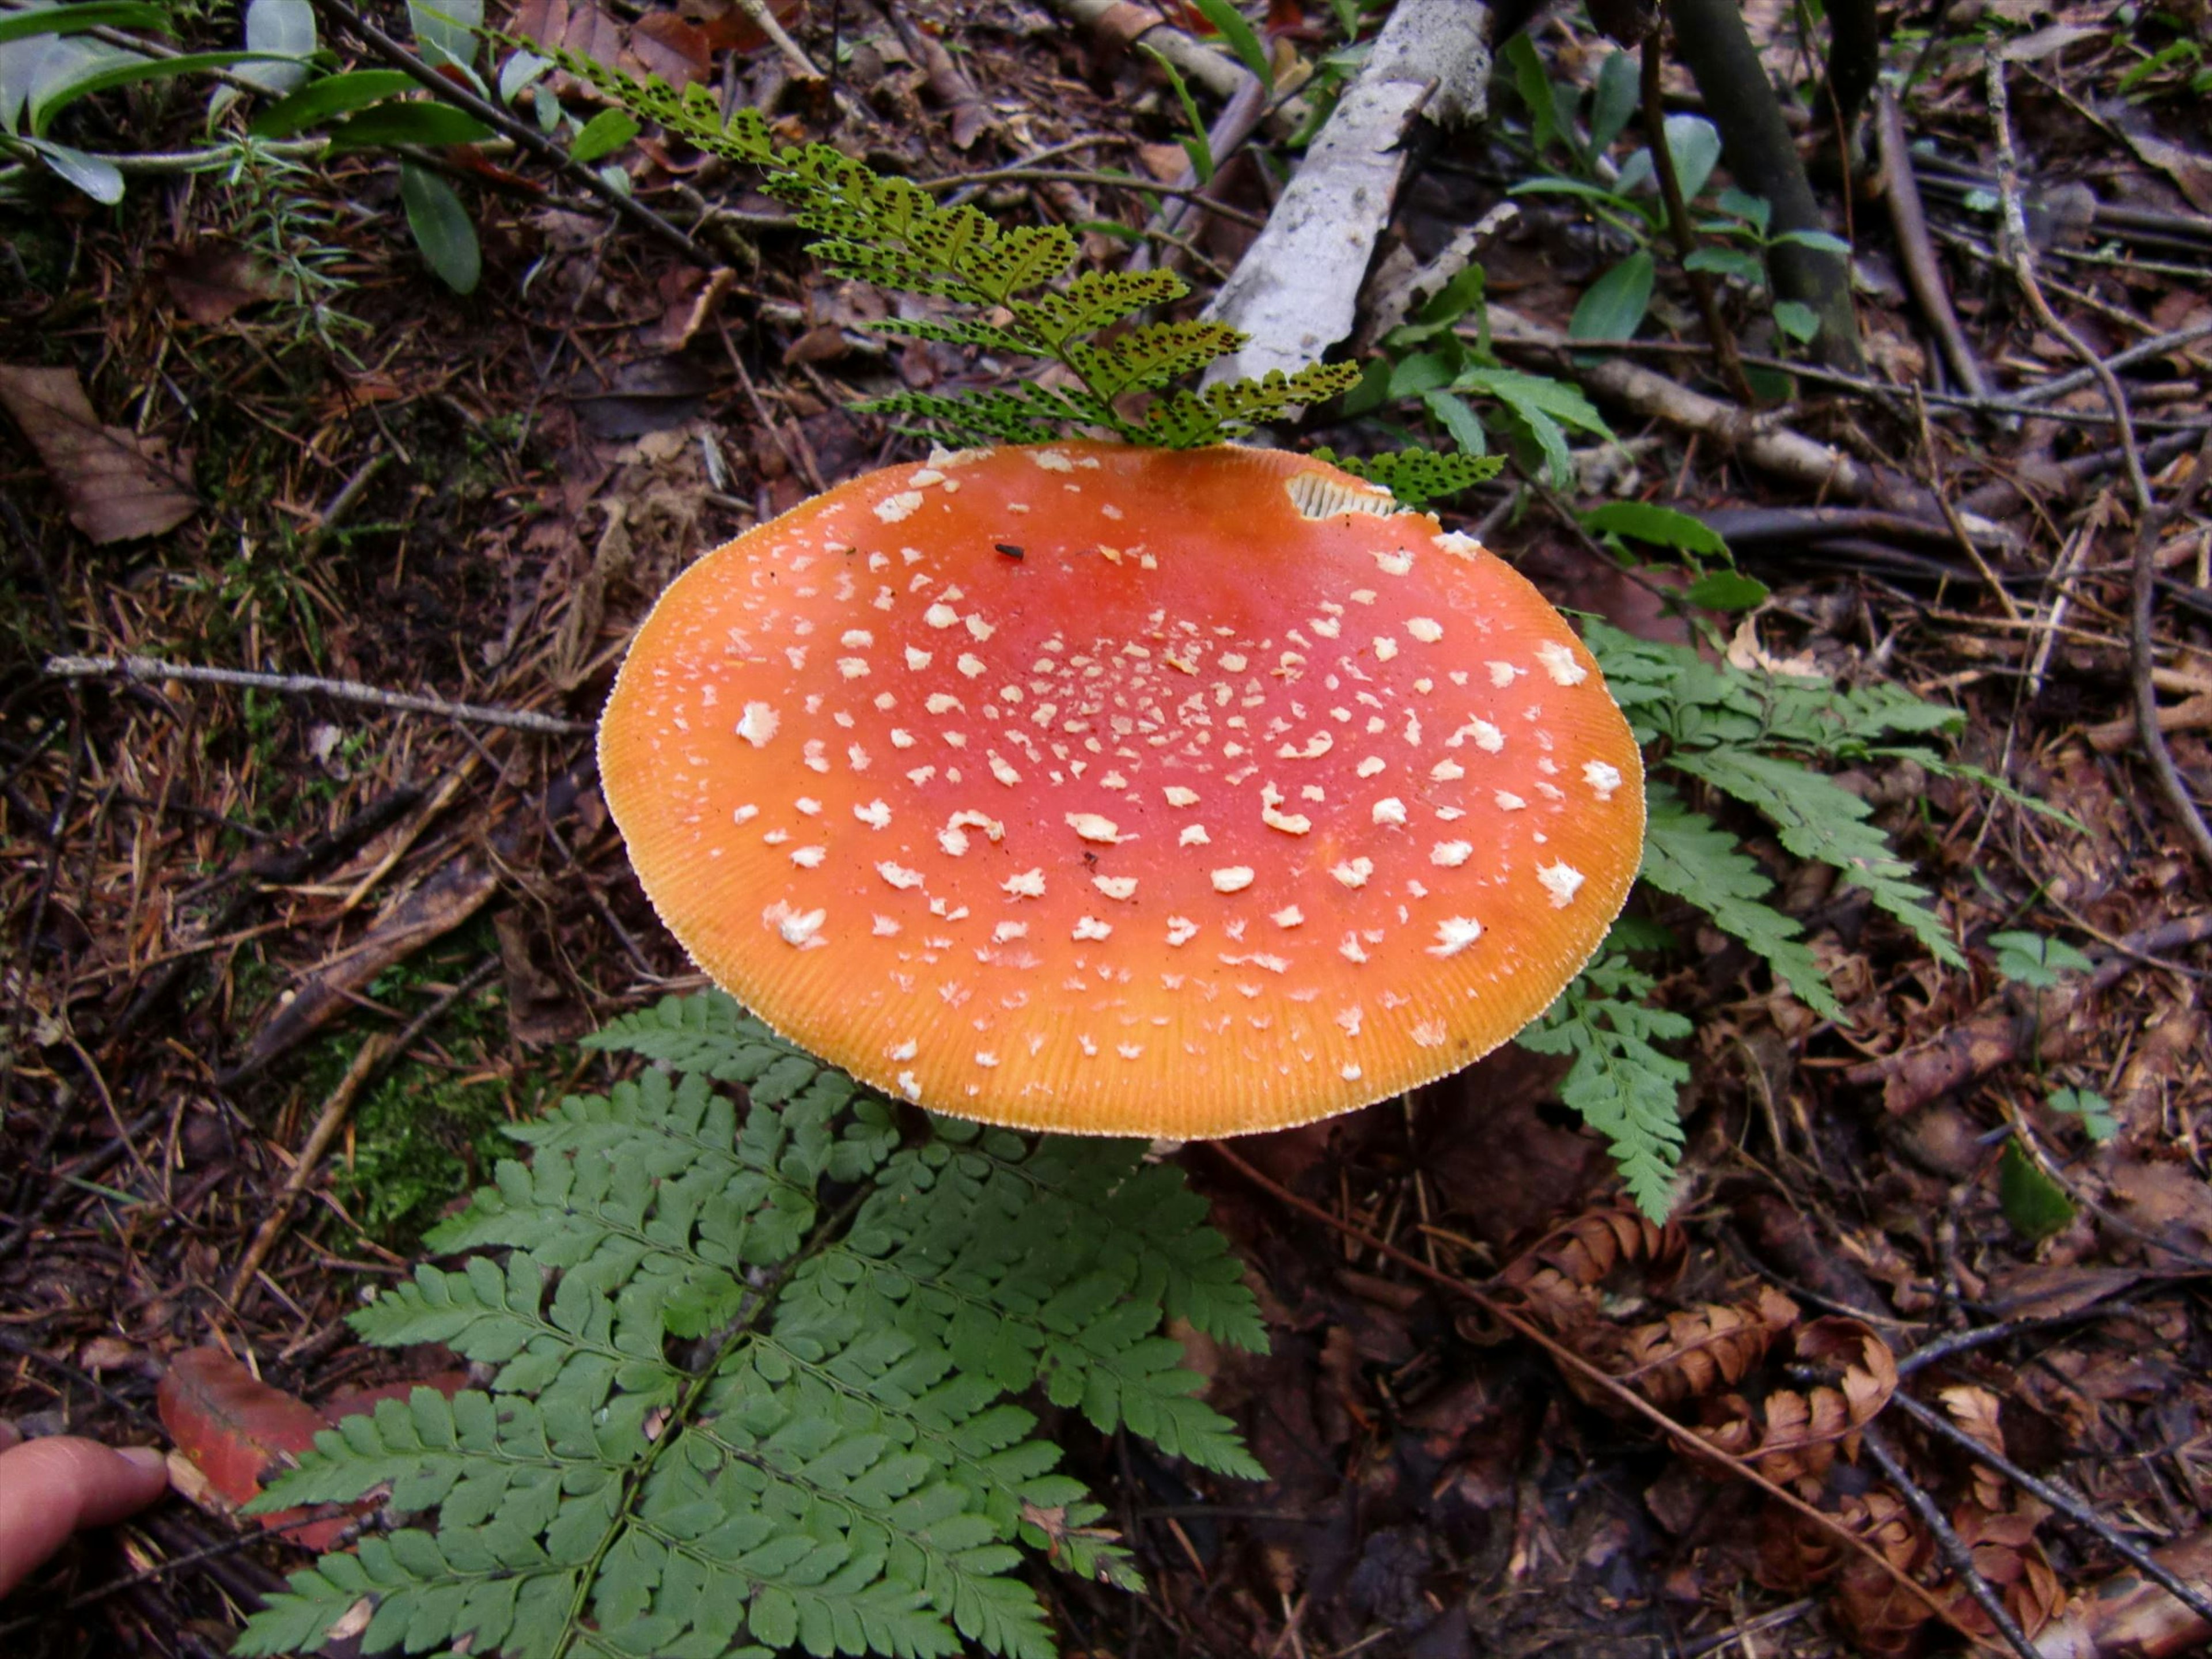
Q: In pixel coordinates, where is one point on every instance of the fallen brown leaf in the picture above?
(119, 486)
(213, 282)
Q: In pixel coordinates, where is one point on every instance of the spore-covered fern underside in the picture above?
(749, 1376)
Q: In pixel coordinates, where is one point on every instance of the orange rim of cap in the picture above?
(1120, 791)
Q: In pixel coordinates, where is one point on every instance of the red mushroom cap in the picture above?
(1124, 791)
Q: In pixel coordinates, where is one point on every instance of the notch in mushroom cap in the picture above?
(1239, 799)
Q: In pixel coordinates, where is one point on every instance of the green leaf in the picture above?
(839, 1469)
(1417, 476)
(1726, 590)
(1613, 306)
(418, 122)
(2035, 1207)
(1695, 144)
(2092, 1109)
(1229, 24)
(76, 19)
(1534, 86)
(1815, 817)
(445, 30)
(1820, 240)
(1744, 268)
(1755, 210)
(1544, 407)
(95, 175)
(116, 68)
(1551, 185)
(1796, 320)
(1196, 145)
(1646, 521)
(1618, 92)
(603, 135)
(334, 95)
(443, 228)
(1457, 419)
(2033, 959)
(283, 29)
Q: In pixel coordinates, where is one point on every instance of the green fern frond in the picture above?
(1620, 1084)
(1417, 476)
(1817, 818)
(1031, 413)
(1751, 737)
(1093, 301)
(726, 1417)
(1249, 402)
(1687, 854)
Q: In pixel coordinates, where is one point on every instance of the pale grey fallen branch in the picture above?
(153, 671)
(1295, 293)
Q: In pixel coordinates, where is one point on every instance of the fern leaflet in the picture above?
(725, 1417)
(1622, 1085)
(1687, 854)
(1818, 818)
(1417, 476)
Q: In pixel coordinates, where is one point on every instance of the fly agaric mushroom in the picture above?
(1122, 791)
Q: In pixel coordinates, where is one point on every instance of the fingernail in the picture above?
(146, 1457)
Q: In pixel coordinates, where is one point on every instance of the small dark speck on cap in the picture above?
(1008, 549)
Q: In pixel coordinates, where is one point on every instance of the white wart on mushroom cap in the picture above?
(1121, 791)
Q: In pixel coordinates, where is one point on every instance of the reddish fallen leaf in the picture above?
(119, 485)
(579, 26)
(236, 1428)
(241, 1432)
(663, 44)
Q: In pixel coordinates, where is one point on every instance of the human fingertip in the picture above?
(150, 1458)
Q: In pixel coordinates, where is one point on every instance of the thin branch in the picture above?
(153, 672)
(1910, 221)
(2060, 1498)
(2020, 254)
(758, 13)
(1952, 1548)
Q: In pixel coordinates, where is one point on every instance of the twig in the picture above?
(1739, 1633)
(375, 1052)
(523, 132)
(1910, 221)
(328, 1122)
(2060, 1498)
(1187, 195)
(2074, 379)
(154, 672)
(762, 18)
(1718, 333)
(1744, 1468)
(1953, 1343)
(1189, 192)
(1948, 1544)
(2020, 255)
(1940, 489)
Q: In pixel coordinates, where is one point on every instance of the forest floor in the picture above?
(228, 908)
